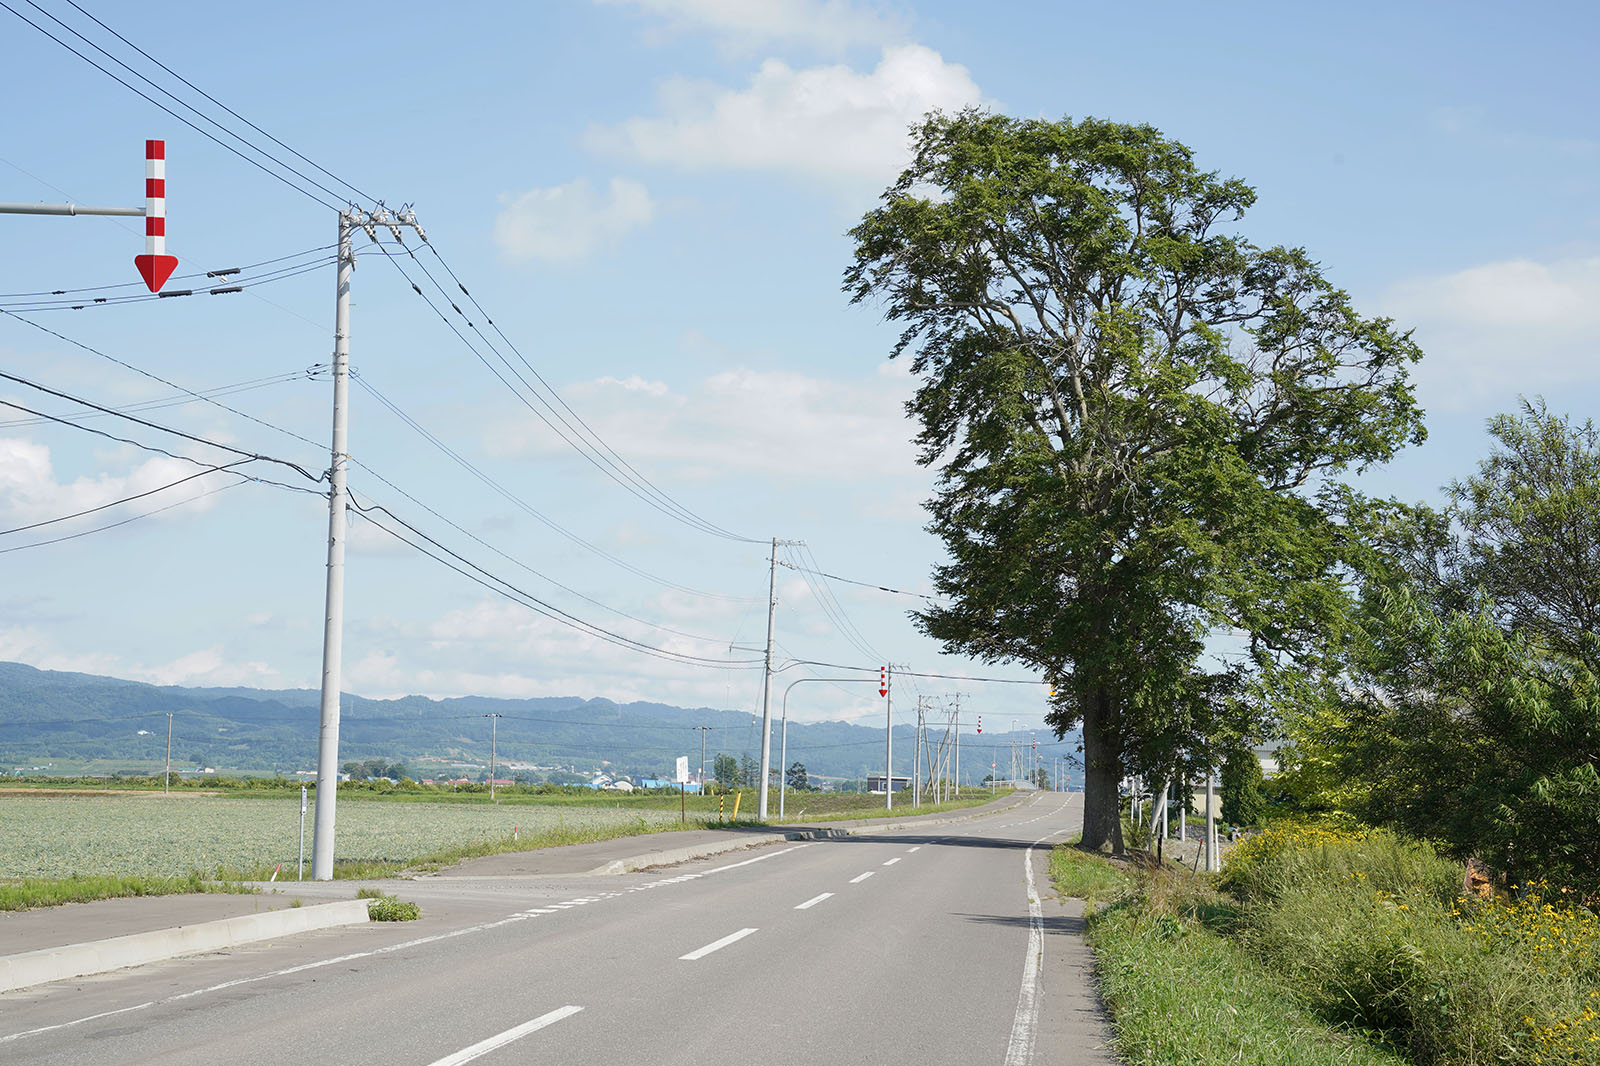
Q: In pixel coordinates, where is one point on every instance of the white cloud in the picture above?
(30, 492)
(777, 422)
(571, 221)
(829, 121)
(830, 25)
(1516, 324)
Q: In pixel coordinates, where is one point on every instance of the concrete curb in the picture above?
(99, 956)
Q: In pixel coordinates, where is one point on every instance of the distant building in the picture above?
(875, 783)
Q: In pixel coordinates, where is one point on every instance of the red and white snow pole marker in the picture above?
(155, 265)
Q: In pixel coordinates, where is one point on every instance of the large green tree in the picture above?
(1470, 712)
(1136, 414)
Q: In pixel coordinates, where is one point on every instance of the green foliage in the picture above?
(1242, 801)
(393, 909)
(1182, 994)
(1369, 930)
(796, 776)
(369, 892)
(1472, 712)
(1128, 404)
(725, 768)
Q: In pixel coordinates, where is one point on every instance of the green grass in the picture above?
(49, 892)
(1080, 875)
(1182, 994)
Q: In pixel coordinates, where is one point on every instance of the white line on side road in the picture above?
(892, 861)
(813, 901)
(483, 1047)
(861, 878)
(716, 945)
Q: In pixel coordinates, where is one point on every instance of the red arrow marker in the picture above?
(155, 265)
(155, 269)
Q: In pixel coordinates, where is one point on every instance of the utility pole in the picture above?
(916, 759)
(333, 618)
(958, 746)
(888, 751)
(766, 680)
(166, 781)
(494, 735)
(702, 729)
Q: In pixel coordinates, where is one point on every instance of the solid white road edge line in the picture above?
(860, 878)
(813, 901)
(716, 945)
(1019, 1049)
(483, 1047)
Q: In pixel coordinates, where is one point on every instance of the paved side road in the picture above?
(896, 945)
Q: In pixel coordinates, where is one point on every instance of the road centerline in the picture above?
(813, 901)
(891, 862)
(860, 877)
(499, 1040)
(716, 945)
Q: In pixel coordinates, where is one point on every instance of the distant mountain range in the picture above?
(48, 716)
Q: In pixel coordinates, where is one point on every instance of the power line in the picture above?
(522, 504)
(125, 499)
(185, 398)
(143, 422)
(219, 103)
(334, 204)
(863, 584)
(228, 286)
(135, 518)
(477, 574)
(582, 427)
(158, 378)
(220, 272)
(624, 476)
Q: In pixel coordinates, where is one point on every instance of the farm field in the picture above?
(150, 835)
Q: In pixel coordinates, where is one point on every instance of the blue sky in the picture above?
(650, 197)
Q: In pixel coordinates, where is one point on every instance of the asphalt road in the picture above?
(884, 948)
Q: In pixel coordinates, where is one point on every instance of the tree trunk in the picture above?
(1102, 775)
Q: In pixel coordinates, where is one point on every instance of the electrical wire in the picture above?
(134, 518)
(522, 504)
(220, 272)
(334, 204)
(125, 499)
(864, 584)
(582, 428)
(365, 196)
(228, 287)
(147, 424)
(182, 399)
(504, 588)
(158, 378)
(634, 485)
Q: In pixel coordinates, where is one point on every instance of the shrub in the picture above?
(392, 909)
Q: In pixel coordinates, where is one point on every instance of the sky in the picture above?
(650, 201)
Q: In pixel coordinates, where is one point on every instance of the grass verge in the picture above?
(1178, 989)
(48, 892)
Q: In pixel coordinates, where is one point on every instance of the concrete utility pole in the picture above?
(888, 751)
(958, 746)
(333, 620)
(494, 736)
(702, 729)
(1212, 865)
(916, 759)
(766, 677)
(166, 781)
